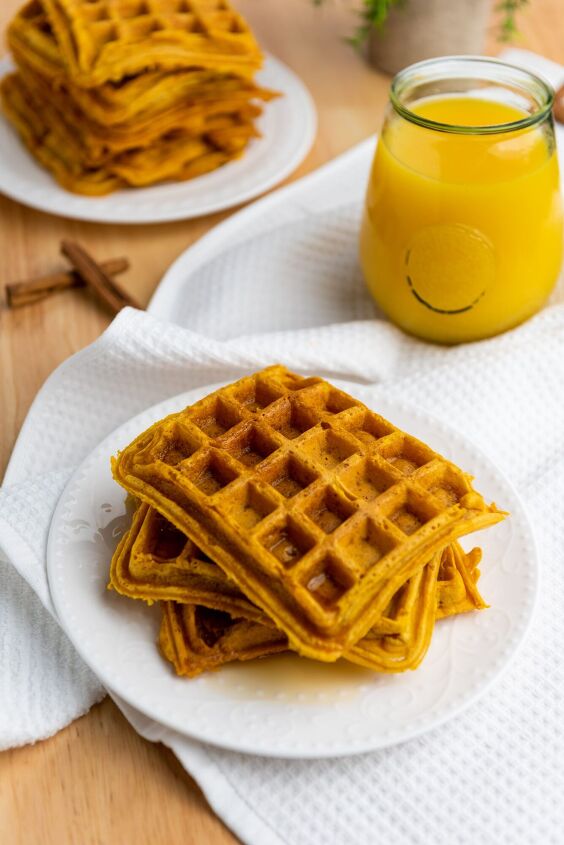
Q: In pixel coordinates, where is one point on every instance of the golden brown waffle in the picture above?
(102, 40)
(31, 39)
(413, 610)
(97, 144)
(43, 140)
(318, 508)
(167, 122)
(53, 140)
(92, 145)
(457, 590)
(156, 561)
(196, 639)
(184, 642)
(173, 159)
(142, 97)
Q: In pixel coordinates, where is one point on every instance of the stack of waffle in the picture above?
(280, 513)
(110, 93)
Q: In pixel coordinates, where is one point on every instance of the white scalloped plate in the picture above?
(288, 126)
(286, 706)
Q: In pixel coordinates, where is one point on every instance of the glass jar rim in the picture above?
(423, 72)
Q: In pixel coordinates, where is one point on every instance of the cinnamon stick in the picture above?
(34, 290)
(96, 278)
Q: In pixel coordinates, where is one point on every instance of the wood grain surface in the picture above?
(97, 782)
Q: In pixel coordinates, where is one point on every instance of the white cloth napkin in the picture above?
(551, 71)
(507, 394)
(492, 775)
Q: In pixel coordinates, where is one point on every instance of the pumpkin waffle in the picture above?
(42, 139)
(186, 643)
(174, 157)
(145, 96)
(155, 562)
(195, 639)
(171, 120)
(89, 145)
(103, 40)
(31, 41)
(35, 50)
(457, 590)
(97, 143)
(318, 508)
(444, 587)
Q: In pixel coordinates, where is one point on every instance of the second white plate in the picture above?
(288, 126)
(286, 706)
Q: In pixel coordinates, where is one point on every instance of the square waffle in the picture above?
(52, 139)
(318, 508)
(32, 41)
(142, 97)
(412, 614)
(155, 562)
(200, 120)
(107, 40)
(196, 639)
(98, 124)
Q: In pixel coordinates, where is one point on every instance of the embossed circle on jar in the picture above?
(449, 267)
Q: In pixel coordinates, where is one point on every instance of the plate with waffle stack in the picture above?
(277, 567)
(144, 111)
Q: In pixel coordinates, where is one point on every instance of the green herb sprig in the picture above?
(509, 10)
(374, 13)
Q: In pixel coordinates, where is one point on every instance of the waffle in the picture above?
(42, 140)
(92, 145)
(318, 508)
(31, 40)
(50, 138)
(145, 96)
(156, 562)
(445, 587)
(168, 121)
(457, 590)
(411, 615)
(231, 112)
(196, 639)
(103, 40)
(34, 48)
(410, 622)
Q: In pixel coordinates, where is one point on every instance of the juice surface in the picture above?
(462, 234)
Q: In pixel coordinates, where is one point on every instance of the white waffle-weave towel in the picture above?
(495, 774)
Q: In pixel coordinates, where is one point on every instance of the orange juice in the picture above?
(462, 231)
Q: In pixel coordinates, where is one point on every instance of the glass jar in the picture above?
(462, 231)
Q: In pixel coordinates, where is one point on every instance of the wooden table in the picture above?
(97, 781)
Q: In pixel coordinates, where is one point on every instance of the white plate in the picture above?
(288, 126)
(286, 706)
